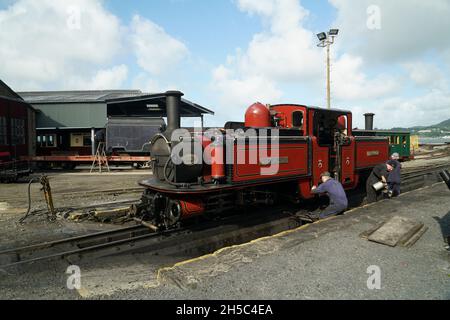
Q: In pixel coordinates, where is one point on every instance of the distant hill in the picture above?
(440, 129)
(444, 124)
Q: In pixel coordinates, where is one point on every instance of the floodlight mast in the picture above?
(326, 40)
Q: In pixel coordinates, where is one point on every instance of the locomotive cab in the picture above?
(330, 132)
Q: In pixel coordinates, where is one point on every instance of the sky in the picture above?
(390, 57)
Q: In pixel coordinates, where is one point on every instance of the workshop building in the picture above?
(67, 121)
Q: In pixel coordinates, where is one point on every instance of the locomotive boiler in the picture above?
(276, 154)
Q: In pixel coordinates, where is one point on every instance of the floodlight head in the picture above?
(333, 32)
(322, 36)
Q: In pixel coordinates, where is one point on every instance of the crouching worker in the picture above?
(336, 193)
(379, 174)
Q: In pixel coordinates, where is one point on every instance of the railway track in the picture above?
(141, 238)
(138, 238)
(423, 171)
(111, 240)
(86, 193)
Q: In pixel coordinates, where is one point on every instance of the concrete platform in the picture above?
(325, 260)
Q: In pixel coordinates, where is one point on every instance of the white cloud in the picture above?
(110, 78)
(45, 42)
(351, 83)
(155, 50)
(426, 75)
(51, 45)
(242, 92)
(410, 45)
(408, 28)
(102, 79)
(428, 109)
(285, 52)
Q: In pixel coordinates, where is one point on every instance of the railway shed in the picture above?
(17, 131)
(67, 121)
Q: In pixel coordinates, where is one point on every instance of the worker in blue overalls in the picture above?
(394, 177)
(336, 193)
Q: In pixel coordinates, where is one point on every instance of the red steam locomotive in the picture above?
(278, 153)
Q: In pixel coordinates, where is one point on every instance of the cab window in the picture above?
(297, 119)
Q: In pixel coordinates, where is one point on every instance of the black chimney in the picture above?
(369, 120)
(173, 101)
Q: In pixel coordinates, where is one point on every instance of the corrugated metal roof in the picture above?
(159, 99)
(92, 96)
(8, 93)
(110, 97)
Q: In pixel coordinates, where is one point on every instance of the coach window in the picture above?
(46, 140)
(297, 119)
(3, 132)
(80, 140)
(51, 141)
(18, 131)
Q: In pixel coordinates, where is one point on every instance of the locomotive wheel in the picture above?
(173, 214)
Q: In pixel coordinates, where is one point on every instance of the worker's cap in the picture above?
(392, 163)
(325, 174)
(395, 155)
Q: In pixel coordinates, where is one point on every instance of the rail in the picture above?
(78, 246)
(134, 237)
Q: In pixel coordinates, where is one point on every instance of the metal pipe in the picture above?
(29, 202)
(369, 120)
(328, 77)
(147, 224)
(93, 141)
(173, 102)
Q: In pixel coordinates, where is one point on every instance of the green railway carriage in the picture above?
(399, 141)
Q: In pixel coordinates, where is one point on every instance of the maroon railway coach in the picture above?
(17, 134)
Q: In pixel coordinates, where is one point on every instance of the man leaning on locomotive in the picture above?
(336, 193)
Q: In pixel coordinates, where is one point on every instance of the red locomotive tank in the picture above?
(217, 161)
(257, 116)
